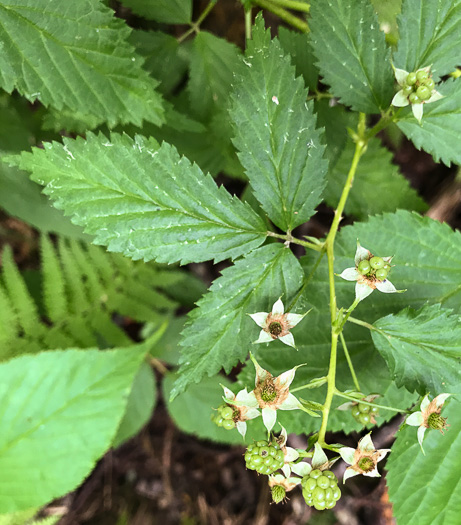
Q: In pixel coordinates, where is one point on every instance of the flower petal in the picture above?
(383, 452)
(440, 399)
(278, 307)
(417, 111)
(269, 418)
(415, 420)
(387, 259)
(288, 340)
(294, 319)
(251, 413)
(347, 453)
(366, 444)
(291, 454)
(242, 428)
(361, 254)
(400, 76)
(286, 469)
(421, 431)
(260, 318)
(400, 100)
(434, 97)
(373, 473)
(345, 406)
(387, 287)
(264, 337)
(362, 291)
(350, 473)
(290, 403)
(350, 274)
(285, 379)
(425, 402)
(261, 374)
(302, 468)
(228, 394)
(319, 458)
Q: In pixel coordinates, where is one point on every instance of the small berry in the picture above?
(228, 424)
(423, 92)
(264, 457)
(422, 75)
(227, 413)
(411, 79)
(429, 83)
(320, 489)
(414, 99)
(377, 262)
(364, 267)
(381, 274)
(407, 90)
(323, 482)
(362, 407)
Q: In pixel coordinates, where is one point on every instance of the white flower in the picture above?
(276, 324)
(273, 394)
(428, 417)
(368, 282)
(404, 97)
(245, 407)
(363, 460)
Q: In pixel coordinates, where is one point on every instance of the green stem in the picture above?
(351, 308)
(289, 238)
(352, 398)
(309, 385)
(248, 24)
(349, 362)
(294, 5)
(359, 149)
(195, 26)
(361, 323)
(283, 14)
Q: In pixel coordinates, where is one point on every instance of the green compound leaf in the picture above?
(62, 400)
(378, 184)
(220, 332)
(429, 36)
(440, 129)
(144, 201)
(425, 489)
(165, 11)
(352, 53)
(76, 57)
(427, 262)
(141, 403)
(279, 146)
(422, 348)
(212, 64)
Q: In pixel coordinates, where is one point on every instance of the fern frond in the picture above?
(54, 292)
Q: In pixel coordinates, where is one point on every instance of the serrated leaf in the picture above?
(139, 407)
(219, 330)
(352, 54)
(165, 11)
(427, 262)
(298, 46)
(378, 184)
(424, 489)
(429, 36)
(82, 63)
(335, 120)
(42, 399)
(387, 15)
(279, 146)
(440, 130)
(163, 59)
(422, 348)
(212, 64)
(144, 201)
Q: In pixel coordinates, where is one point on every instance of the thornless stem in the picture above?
(283, 14)
(349, 362)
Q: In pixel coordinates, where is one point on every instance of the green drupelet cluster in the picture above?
(418, 87)
(320, 489)
(224, 417)
(264, 457)
(375, 267)
(364, 413)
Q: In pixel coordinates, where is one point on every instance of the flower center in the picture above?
(269, 392)
(366, 464)
(436, 421)
(275, 328)
(278, 493)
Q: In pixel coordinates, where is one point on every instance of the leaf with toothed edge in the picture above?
(143, 200)
(219, 332)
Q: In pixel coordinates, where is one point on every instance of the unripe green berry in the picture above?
(374, 411)
(407, 90)
(309, 484)
(429, 83)
(330, 475)
(323, 482)
(228, 424)
(423, 92)
(422, 75)
(227, 413)
(364, 267)
(320, 505)
(436, 421)
(364, 419)
(362, 407)
(329, 494)
(414, 99)
(381, 274)
(336, 493)
(377, 262)
(355, 411)
(318, 494)
(264, 457)
(387, 266)
(316, 473)
(411, 79)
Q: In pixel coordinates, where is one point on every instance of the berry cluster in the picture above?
(320, 489)
(264, 457)
(364, 414)
(224, 417)
(374, 267)
(418, 86)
